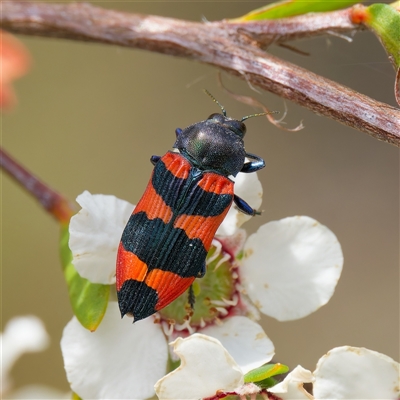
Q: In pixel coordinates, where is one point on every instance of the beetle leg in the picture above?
(253, 166)
(244, 207)
(191, 297)
(154, 159)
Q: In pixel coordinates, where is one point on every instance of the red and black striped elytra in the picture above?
(166, 240)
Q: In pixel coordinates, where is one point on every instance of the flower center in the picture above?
(215, 294)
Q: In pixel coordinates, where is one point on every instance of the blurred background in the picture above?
(90, 116)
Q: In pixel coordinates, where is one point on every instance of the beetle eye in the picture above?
(238, 127)
(212, 116)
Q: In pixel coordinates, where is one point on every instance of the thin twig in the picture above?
(50, 200)
(234, 47)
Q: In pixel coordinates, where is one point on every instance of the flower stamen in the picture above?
(222, 310)
(225, 258)
(218, 249)
(168, 328)
(185, 326)
(216, 295)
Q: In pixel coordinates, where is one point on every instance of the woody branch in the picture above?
(234, 47)
(50, 200)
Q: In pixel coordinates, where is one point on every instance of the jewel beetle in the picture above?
(164, 245)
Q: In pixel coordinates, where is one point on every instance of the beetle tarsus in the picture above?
(191, 297)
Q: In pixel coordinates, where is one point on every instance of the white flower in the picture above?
(356, 373)
(123, 361)
(245, 340)
(117, 361)
(95, 233)
(343, 373)
(292, 386)
(207, 368)
(21, 335)
(305, 253)
(290, 267)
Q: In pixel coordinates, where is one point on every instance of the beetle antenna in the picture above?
(258, 115)
(216, 101)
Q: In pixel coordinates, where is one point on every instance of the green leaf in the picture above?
(75, 396)
(265, 372)
(89, 300)
(290, 8)
(384, 20)
(267, 383)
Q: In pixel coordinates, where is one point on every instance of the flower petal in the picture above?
(247, 187)
(117, 361)
(292, 386)
(233, 243)
(95, 233)
(356, 373)
(21, 335)
(291, 267)
(245, 340)
(205, 368)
